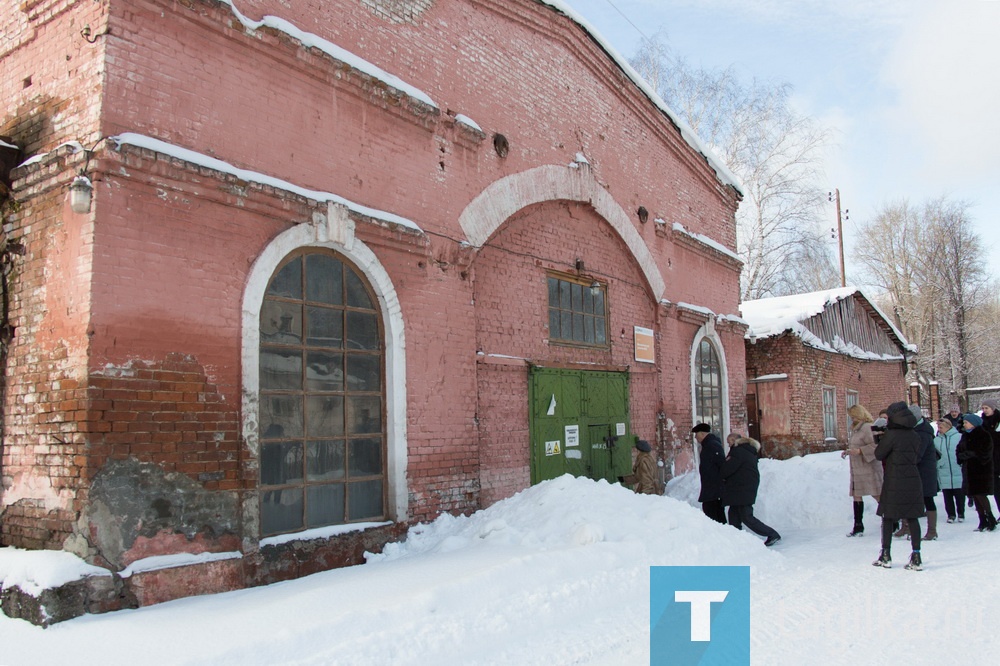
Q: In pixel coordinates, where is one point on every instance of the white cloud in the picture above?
(944, 67)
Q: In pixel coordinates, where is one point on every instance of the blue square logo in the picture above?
(699, 615)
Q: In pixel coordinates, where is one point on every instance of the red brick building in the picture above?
(344, 266)
(809, 358)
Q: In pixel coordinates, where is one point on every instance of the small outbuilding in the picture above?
(809, 358)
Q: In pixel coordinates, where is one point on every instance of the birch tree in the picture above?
(775, 153)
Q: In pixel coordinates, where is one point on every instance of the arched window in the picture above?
(708, 387)
(322, 399)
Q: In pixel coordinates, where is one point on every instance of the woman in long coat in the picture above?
(975, 451)
(644, 470)
(866, 470)
(902, 492)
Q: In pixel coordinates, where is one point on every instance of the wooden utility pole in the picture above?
(840, 237)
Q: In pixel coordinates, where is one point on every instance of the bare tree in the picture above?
(772, 150)
(929, 263)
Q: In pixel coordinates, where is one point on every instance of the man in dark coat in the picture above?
(741, 479)
(902, 495)
(710, 470)
(975, 452)
(928, 470)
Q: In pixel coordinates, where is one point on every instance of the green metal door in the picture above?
(579, 424)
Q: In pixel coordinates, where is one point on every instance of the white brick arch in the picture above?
(336, 234)
(494, 206)
(707, 331)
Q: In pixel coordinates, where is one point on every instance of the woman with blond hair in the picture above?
(866, 471)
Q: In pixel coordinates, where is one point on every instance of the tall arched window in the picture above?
(322, 398)
(708, 388)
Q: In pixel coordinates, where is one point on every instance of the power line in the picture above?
(615, 7)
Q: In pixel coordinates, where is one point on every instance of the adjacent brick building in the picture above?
(809, 358)
(345, 266)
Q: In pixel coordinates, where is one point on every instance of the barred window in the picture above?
(708, 387)
(829, 412)
(852, 399)
(577, 311)
(322, 426)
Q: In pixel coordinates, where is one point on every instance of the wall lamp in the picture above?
(595, 288)
(81, 190)
(80, 194)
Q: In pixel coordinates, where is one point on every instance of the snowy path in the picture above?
(830, 602)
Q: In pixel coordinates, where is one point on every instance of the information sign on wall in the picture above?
(644, 352)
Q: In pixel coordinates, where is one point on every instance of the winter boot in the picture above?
(931, 526)
(859, 527)
(883, 559)
(914, 564)
(904, 530)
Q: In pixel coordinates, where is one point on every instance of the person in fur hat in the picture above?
(710, 461)
(740, 480)
(975, 452)
(991, 424)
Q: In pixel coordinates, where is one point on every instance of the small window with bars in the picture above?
(577, 311)
(852, 399)
(829, 412)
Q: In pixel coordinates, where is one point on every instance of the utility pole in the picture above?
(835, 196)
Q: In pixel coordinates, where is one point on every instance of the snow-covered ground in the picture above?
(559, 574)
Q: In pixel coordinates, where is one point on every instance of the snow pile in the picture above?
(570, 513)
(37, 570)
(798, 493)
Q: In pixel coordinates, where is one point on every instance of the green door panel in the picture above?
(581, 407)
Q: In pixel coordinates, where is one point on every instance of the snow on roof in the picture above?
(772, 316)
(313, 40)
(142, 141)
(75, 145)
(769, 317)
(721, 170)
(466, 120)
(4, 144)
(705, 240)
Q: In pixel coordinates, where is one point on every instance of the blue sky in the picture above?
(910, 88)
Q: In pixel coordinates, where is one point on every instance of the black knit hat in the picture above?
(702, 427)
(643, 446)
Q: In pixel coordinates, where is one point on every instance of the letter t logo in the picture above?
(701, 610)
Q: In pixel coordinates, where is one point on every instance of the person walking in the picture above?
(710, 471)
(949, 470)
(741, 479)
(866, 471)
(975, 451)
(644, 470)
(902, 492)
(991, 424)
